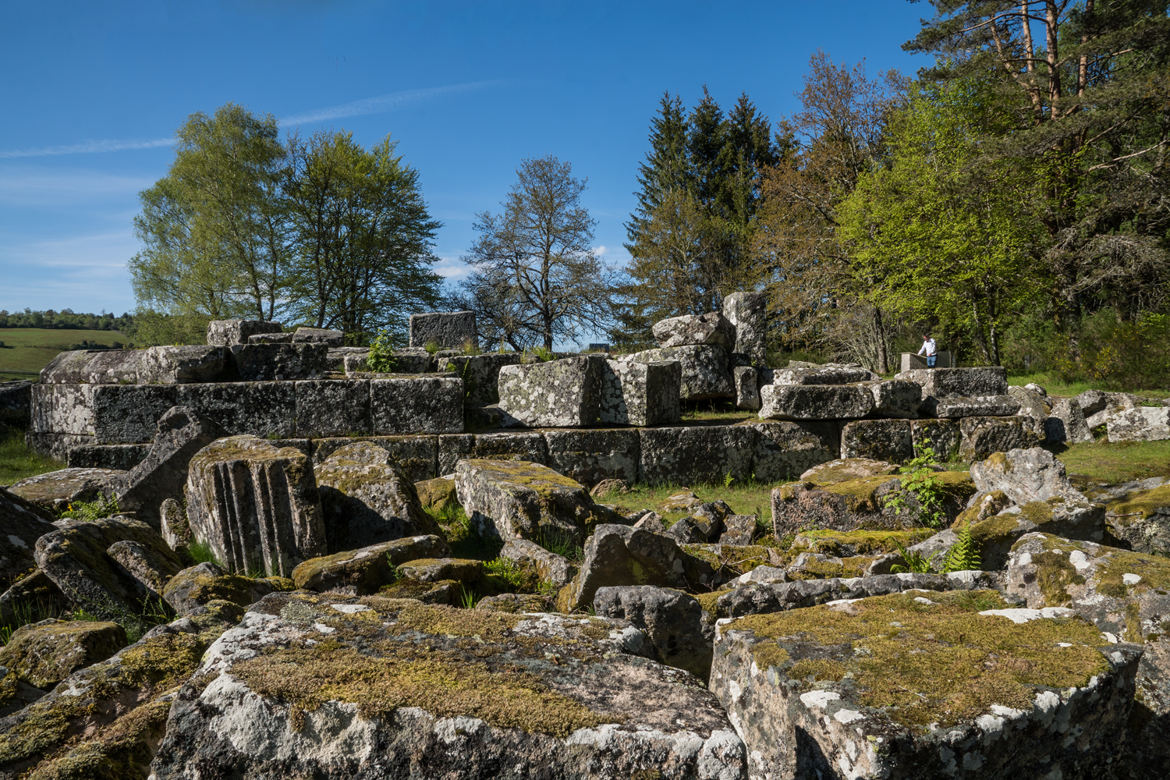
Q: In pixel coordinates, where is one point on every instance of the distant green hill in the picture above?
(26, 351)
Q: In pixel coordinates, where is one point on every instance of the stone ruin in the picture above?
(300, 650)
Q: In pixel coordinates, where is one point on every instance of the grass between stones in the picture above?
(18, 462)
(746, 498)
(1115, 462)
(924, 663)
(1057, 387)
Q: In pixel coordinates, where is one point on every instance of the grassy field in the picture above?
(17, 461)
(27, 350)
(1116, 462)
(1057, 387)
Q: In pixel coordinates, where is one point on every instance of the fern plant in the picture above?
(913, 562)
(964, 554)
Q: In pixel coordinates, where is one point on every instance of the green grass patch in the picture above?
(27, 350)
(748, 498)
(1115, 462)
(17, 461)
(1057, 387)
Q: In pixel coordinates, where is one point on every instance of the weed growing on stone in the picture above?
(560, 544)
(920, 482)
(432, 347)
(467, 597)
(201, 552)
(25, 612)
(913, 562)
(105, 506)
(381, 357)
(964, 554)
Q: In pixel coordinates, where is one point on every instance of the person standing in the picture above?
(930, 349)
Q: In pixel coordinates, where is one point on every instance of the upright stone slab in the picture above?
(366, 499)
(696, 454)
(590, 456)
(423, 404)
(179, 365)
(558, 393)
(446, 330)
(888, 440)
(227, 333)
(266, 362)
(640, 393)
(512, 499)
(747, 388)
(333, 407)
(1066, 423)
(480, 374)
(951, 684)
(267, 409)
(982, 436)
(815, 402)
(783, 450)
(944, 382)
(510, 445)
(706, 369)
(748, 314)
(163, 472)
(695, 329)
(256, 506)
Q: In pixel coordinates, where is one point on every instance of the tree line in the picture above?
(66, 319)
(1010, 199)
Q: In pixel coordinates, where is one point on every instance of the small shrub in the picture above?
(381, 357)
(432, 347)
(105, 506)
(543, 354)
(920, 482)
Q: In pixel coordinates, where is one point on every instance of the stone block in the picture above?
(415, 455)
(516, 711)
(327, 336)
(56, 445)
(424, 404)
(106, 456)
(888, 440)
(257, 408)
(954, 406)
(696, 454)
(366, 499)
(270, 338)
(747, 388)
(909, 361)
(15, 403)
(332, 407)
(672, 620)
(748, 314)
(257, 507)
(94, 367)
(162, 473)
(61, 409)
(641, 394)
(803, 688)
(559, 393)
(784, 450)
(549, 566)
(1066, 423)
(511, 499)
(512, 445)
(591, 456)
(815, 402)
(981, 436)
(1144, 423)
(706, 369)
(23, 524)
(695, 329)
(228, 333)
(336, 357)
(54, 491)
(447, 330)
(124, 414)
(941, 436)
(179, 365)
(944, 382)
(896, 398)
(480, 375)
(799, 373)
(1023, 476)
(265, 362)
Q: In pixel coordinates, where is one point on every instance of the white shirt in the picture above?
(928, 347)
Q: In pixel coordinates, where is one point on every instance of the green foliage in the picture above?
(919, 481)
(913, 562)
(23, 613)
(560, 543)
(201, 552)
(964, 554)
(105, 506)
(432, 347)
(506, 576)
(467, 597)
(381, 357)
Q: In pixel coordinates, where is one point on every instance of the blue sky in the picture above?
(93, 92)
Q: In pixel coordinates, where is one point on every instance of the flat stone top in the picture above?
(924, 661)
(516, 474)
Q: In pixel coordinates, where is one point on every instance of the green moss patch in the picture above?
(1144, 504)
(1154, 571)
(926, 663)
(830, 542)
(399, 675)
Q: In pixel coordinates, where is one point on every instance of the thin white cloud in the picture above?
(600, 251)
(381, 103)
(87, 147)
(38, 186)
(83, 272)
(451, 268)
(89, 253)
